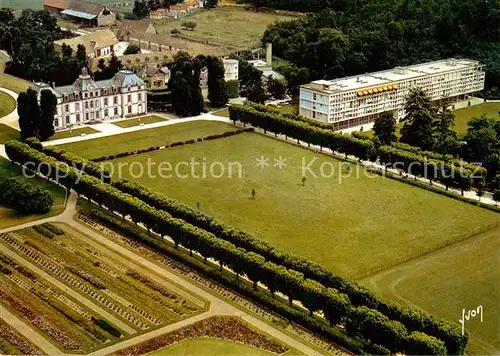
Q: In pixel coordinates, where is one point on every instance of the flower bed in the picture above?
(21, 344)
(54, 332)
(218, 327)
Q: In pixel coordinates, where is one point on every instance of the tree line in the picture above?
(142, 8)
(428, 127)
(412, 337)
(344, 38)
(36, 117)
(24, 197)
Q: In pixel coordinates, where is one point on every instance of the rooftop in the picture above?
(91, 41)
(87, 7)
(58, 4)
(390, 76)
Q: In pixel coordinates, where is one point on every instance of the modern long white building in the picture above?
(358, 100)
(88, 101)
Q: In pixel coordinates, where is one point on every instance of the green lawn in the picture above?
(354, 228)
(146, 138)
(9, 217)
(8, 133)
(73, 133)
(462, 276)
(224, 25)
(462, 116)
(7, 104)
(137, 121)
(210, 347)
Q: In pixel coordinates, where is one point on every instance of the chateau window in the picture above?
(129, 109)
(91, 103)
(115, 100)
(116, 111)
(77, 117)
(67, 120)
(139, 96)
(106, 113)
(86, 105)
(97, 114)
(56, 122)
(105, 101)
(129, 98)
(87, 116)
(77, 106)
(84, 95)
(66, 107)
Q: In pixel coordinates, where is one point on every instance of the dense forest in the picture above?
(369, 35)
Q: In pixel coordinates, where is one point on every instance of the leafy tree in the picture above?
(482, 139)
(141, 9)
(25, 122)
(33, 111)
(132, 49)
(48, 108)
(114, 66)
(480, 190)
(385, 128)
(184, 84)
(24, 197)
(419, 118)
(175, 31)
(81, 56)
(217, 88)
(276, 87)
(251, 82)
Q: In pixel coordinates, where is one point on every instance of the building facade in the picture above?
(358, 100)
(89, 13)
(231, 67)
(87, 101)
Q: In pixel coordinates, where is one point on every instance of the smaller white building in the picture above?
(87, 101)
(231, 67)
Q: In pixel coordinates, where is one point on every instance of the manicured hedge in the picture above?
(73, 160)
(335, 304)
(43, 231)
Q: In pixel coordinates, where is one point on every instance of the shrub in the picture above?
(104, 325)
(52, 228)
(42, 230)
(24, 197)
(422, 344)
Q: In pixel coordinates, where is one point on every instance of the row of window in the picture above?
(115, 101)
(97, 115)
(96, 94)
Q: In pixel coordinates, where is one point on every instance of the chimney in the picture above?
(269, 54)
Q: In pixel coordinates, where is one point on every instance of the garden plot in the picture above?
(105, 302)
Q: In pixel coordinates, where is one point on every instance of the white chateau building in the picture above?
(358, 100)
(87, 101)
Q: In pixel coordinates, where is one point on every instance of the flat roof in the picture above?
(79, 14)
(389, 76)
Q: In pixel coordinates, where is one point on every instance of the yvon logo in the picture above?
(470, 314)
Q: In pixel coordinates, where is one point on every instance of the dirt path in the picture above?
(27, 331)
(83, 300)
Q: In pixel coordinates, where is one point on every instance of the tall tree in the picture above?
(34, 111)
(276, 87)
(385, 128)
(25, 123)
(184, 84)
(141, 9)
(48, 108)
(419, 118)
(114, 65)
(81, 56)
(482, 139)
(217, 87)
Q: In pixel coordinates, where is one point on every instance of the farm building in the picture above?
(88, 13)
(55, 6)
(100, 43)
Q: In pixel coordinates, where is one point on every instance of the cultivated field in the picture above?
(79, 294)
(9, 217)
(210, 347)
(160, 136)
(230, 25)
